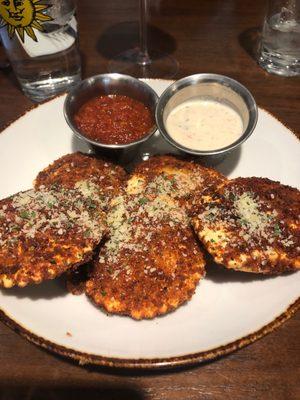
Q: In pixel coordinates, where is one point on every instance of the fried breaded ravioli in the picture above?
(151, 264)
(251, 224)
(72, 169)
(183, 180)
(44, 233)
(88, 174)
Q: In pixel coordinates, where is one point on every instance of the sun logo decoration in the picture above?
(23, 15)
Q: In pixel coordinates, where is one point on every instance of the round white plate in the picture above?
(228, 310)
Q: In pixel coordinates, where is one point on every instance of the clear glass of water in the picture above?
(42, 45)
(279, 51)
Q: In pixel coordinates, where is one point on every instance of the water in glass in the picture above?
(280, 44)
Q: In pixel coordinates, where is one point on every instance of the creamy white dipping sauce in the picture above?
(204, 124)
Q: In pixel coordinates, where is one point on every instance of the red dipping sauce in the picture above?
(114, 119)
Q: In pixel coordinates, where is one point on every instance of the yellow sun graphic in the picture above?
(23, 15)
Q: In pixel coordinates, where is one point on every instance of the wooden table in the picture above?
(204, 36)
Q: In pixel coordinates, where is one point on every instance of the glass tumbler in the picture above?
(40, 39)
(279, 51)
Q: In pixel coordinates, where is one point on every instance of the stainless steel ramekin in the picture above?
(210, 87)
(106, 84)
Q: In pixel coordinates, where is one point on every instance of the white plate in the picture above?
(228, 310)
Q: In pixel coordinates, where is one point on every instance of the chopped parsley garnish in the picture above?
(90, 203)
(231, 196)
(24, 214)
(143, 201)
(87, 233)
(103, 292)
(277, 229)
(52, 261)
(69, 224)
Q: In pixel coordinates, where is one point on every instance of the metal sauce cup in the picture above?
(110, 84)
(209, 87)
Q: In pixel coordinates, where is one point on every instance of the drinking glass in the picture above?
(279, 51)
(137, 62)
(40, 40)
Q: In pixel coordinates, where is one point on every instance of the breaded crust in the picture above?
(151, 264)
(68, 170)
(182, 180)
(105, 178)
(44, 233)
(251, 224)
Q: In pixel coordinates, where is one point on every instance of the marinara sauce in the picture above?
(114, 119)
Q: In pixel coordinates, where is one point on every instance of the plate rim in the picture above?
(186, 360)
(146, 363)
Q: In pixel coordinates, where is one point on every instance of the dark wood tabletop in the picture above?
(204, 36)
